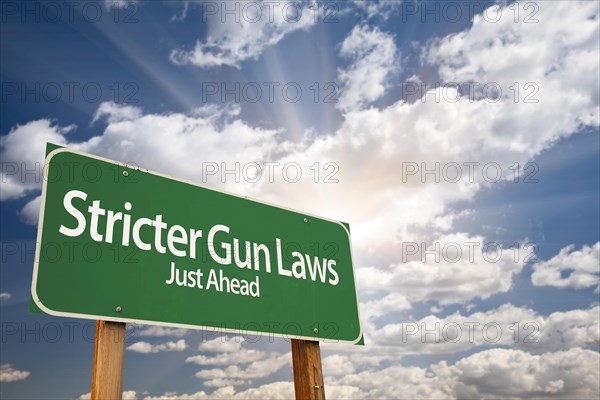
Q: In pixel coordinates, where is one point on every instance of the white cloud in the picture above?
(116, 113)
(392, 302)
(336, 365)
(127, 395)
(175, 138)
(145, 347)
(241, 356)
(373, 58)
(9, 374)
(257, 369)
(108, 4)
(159, 331)
(259, 25)
(31, 212)
(224, 382)
(436, 310)
(270, 391)
(4, 296)
(558, 54)
(374, 8)
(582, 266)
(394, 336)
(501, 373)
(494, 373)
(222, 344)
(182, 15)
(505, 326)
(333, 391)
(411, 382)
(22, 152)
(454, 269)
(563, 330)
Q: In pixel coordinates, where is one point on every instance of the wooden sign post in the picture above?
(308, 372)
(109, 349)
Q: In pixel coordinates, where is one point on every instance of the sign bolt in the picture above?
(316, 330)
(125, 173)
(118, 309)
(305, 220)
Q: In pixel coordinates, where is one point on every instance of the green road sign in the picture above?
(124, 244)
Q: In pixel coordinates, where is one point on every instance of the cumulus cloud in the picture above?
(412, 382)
(9, 374)
(222, 344)
(373, 58)
(116, 113)
(505, 326)
(256, 369)
(182, 14)
(146, 348)
(224, 382)
(231, 353)
(395, 335)
(386, 152)
(31, 212)
(496, 53)
(377, 8)
(392, 302)
(454, 269)
(159, 331)
(127, 395)
(242, 356)
(582, 268)
(502, 373)
(270, 391)
(22, 152)
(127, 131)
(562, 330)
(336, 365)
(246, 35)
(109, 4)
(494, 373)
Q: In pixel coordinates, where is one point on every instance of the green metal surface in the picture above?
(78, 273)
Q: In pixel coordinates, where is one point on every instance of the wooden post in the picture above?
(109, 349)
(308, 373)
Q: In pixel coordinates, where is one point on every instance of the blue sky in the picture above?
(175, 86)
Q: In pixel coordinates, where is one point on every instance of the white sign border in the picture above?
(49, 311)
